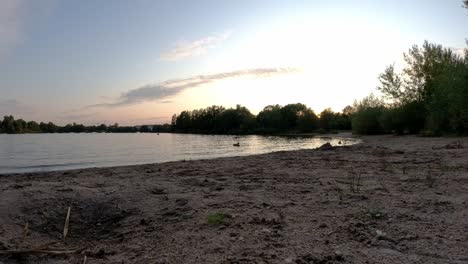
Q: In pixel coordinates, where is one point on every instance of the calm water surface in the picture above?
(46, 152)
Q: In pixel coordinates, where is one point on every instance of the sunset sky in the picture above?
(139, 62)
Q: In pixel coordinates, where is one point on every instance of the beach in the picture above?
(390, 199)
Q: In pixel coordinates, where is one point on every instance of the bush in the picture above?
(367, 121)
(408, 118)
(366, 118)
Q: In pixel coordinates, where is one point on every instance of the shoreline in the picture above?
(387, 200)
(346, 137)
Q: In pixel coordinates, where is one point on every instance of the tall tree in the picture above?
(416, 82)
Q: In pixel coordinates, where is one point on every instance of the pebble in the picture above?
(338, 255)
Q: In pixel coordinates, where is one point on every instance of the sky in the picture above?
(141, 61)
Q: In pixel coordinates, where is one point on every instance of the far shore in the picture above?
(390, 199)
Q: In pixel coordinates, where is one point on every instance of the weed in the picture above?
(382, 183)
(338, 189)
(355, 181)
(217, 218)
(387, 168)
(374, 213)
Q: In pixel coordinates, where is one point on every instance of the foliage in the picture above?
(211, 120)
(429, 95)
(366, 118)
(216, 218)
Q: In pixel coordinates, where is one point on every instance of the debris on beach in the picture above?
(454, 145)
(326, 146)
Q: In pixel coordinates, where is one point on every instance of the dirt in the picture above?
(388, 200)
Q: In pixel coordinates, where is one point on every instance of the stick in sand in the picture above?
(67, 222)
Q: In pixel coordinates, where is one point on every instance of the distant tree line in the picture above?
(272, 119)
(10, 125)
(291, 118)
(429, 96)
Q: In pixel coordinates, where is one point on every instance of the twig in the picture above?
(67, 222)
(26, 231)
(38, 251)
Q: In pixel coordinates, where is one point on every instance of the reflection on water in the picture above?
(45, 152)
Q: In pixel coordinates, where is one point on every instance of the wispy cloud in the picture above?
(10, 24)
(170, 88)
(194, 48)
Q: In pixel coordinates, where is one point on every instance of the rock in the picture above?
(339, 255)
(454, 145)
(181, 201)
(380, 234)
(326, 146)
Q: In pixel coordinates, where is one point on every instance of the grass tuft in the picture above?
(217, 218)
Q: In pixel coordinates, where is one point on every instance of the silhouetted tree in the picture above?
(8, 124)
(270, 118)
(366, 118)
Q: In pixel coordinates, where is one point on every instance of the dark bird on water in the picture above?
(236, 144)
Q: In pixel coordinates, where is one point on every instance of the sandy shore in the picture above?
(388, 200)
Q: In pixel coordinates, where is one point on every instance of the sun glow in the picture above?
(339, 61)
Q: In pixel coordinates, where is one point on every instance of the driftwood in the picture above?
(42, 249)
(46, 248)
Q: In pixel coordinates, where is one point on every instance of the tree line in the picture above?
(428, 96)
(211, 120)
(272, 119)
(294, 118)
(10, 125)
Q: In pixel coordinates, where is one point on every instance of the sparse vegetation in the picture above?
(374, 213)
(217, 218)
(355, 181)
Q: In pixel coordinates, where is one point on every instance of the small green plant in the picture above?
(216, 218)
(374, 213)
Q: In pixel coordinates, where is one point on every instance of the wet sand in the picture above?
(388, 200)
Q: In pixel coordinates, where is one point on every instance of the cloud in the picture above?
(170, 88)
(10, 24)
(194, 48)
(459, 51)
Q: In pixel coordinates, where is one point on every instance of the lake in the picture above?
(47, 152)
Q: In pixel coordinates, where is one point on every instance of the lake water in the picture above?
(46, 152)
